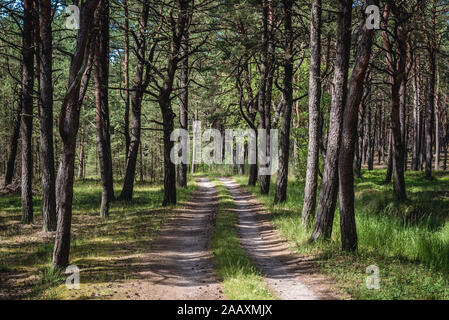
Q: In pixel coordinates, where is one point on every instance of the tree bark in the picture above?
(164, 99)
(398, 72)
(437, 121)
(329, 187)
(10, 166)
(390, 159)
(264, 98)
(416, 121)
(126, 71)
(68, 128)
(102, 107)
(430, 116)
(136, 103)
(194, 147)
(46, 118)
(402, 116)
(349, 136)
(309, 205)
(81, 157)
(286, 106)
(27, 111)
(370, 144)
(184, 104)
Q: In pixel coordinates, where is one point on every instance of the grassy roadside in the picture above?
(103, 249)
(241, 281)
(408, 242)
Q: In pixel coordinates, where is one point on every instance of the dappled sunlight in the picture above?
(103, 249)
(412, 235)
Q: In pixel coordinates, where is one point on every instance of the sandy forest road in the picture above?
(179, 265)
(290, 277)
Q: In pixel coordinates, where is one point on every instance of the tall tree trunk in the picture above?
(398, 150)
(68, 128)
(430, 113)
(402, 115)
(136, 103)
(164, 99)
(423, 140)
(370, 158)
(194, 146)
(46, 118)
(126, 67)
(184, 104)
(349, 136)
(308, 209)
(14, 142)
(390, 158)
(329, 187)
(446, 132)
(27, 111)
(416, 127)
(142, 166)
(81, 157)
(169, 167)
(264, 106)
(286, 106)
(437, 121)
(360, 139)
(397, 68)
(102, 106)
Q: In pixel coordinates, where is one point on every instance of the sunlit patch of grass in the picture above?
(103, 249)
(408, 241)
(241, 281)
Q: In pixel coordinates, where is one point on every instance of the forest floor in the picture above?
(104, 250)
(225, 241)
(210, 247)
(288, 276)
(408, 242)
(179, 265)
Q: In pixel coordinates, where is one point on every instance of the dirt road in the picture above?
(179, 264)
(290, 277)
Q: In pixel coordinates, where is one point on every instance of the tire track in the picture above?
(290, 277)
(179, 265)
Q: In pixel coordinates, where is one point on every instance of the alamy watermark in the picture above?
(73, 280)
(373, 17)
(261, 147)
(373, 280)
(73, 21)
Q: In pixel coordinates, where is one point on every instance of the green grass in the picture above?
(241, 281)
(408, 241)
(103, 249)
